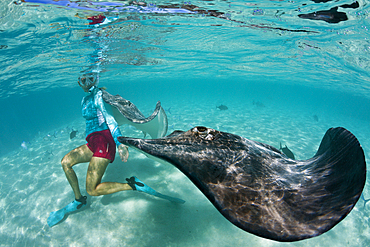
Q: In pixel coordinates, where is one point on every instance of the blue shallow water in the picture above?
(307, 76)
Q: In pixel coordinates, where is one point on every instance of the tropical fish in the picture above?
(222, 107)
(73, 134)
(287, 152)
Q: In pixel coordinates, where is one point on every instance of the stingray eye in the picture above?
(200, 129)
(204, 133)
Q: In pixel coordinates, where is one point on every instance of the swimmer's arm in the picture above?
(111, 122)
(78, 16)
(81, 17)
(112, 125)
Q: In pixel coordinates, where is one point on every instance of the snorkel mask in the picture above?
(88, 80)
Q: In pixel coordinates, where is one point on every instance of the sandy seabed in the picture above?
(33, 185)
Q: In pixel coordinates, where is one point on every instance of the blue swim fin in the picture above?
(57, 216)
(136, 184)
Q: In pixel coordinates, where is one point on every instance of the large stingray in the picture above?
(126, 112)
(258, 188)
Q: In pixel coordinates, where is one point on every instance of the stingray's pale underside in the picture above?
(125, 112)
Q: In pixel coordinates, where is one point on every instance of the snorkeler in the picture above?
(96, 19)
(102, 132)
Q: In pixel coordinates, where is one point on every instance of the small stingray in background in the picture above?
(330, 16)
(73, 134)
(222, 107)
(287, 152)
(316, 118)
(258, 104)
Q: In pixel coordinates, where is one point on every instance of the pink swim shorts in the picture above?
(101, 143)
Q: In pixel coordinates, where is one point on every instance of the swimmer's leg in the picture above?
(95, 172)
(78, 155)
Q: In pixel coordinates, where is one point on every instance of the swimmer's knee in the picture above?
(66, 164)
(92, 191)
(91, 187)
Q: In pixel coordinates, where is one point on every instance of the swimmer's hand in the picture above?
(123, 152)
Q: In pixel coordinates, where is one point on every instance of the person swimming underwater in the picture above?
(101, 135)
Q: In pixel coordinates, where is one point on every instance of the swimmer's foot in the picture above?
(57, 216)
(80, 202)
(136, 184)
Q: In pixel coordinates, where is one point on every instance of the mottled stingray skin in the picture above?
(258, 188)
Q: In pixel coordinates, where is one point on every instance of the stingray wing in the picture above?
(125, 112)
(288, 200)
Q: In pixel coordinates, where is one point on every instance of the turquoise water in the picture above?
(307, 76)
